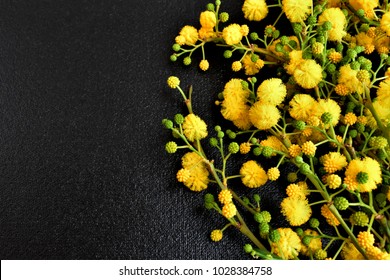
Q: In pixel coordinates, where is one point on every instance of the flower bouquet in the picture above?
(323, 112)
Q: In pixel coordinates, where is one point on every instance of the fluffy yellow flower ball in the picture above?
(297, 10)
(264, 116)
(289, 244)
(207, 19)
(190, 35)
(232, 34)
(253, 175)
(358, 179)
(272, 91)
(216, 235)
(194, 128)
(302, 106)
(255, 10)
(197, 179)
(329, 106)
(296, 210)
(338, 20)
(308, 74)
(333, 162)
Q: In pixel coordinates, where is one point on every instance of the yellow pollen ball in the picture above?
(229, 210)
(183, 175)
(309, 149)
(273, 173)
(365, 239)
(216, 235)
(225, 196)
(245, 148)
(294, 150)
(255, 10)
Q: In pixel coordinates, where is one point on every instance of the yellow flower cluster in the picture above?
(317, 98)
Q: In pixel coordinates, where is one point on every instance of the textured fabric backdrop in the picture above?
(83, 171)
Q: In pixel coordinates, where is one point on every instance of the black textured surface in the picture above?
(83, 172)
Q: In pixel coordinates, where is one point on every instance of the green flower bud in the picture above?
(213, 142)
(176, 47)
(223, 17)
(232, 135)
(218, 2)
(175, 134)
(359, 218)
(381, 198)
(352, 133)
(248, 248)
(254, 58)
(299, 231)
(254, 36)
(171, 147)
(292, 177)
(264, 229)
(254, 140)
(167, 123)
(331, 68)
(256, 198)
(220, 134)
(327, 25)
(209, 205)
(217, 128)
(342, 129)
(297, 27)
(326, 118)
(355, 65)
(362, 177)
(187, 61)
(234, 148)
(360, 127)
(258, 218)
(320, 254)
(244, 84)
(321, 39)
(173, 57)
(210, 7)
(341, 203)
(300, 125)
(208, 197)
(351, 53)
(339, 47)
(179, 119)
(254, 80)
(359, 49)
(364, 27)
(279, 47)
(314, 223)
(227, 54)
(312, 20)
(360, 13)
(293, 44)
(275, 34)
(306, 240)
(318, 9)
(274, 236)
(267, 152)
(245, 200)
(257, 151)
(266, 215)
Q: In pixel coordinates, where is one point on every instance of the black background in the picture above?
(83, 171)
